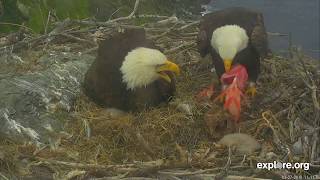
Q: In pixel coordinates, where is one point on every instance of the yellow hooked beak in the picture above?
(168, 66)
(227, 64)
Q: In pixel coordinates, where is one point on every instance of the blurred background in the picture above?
(300, 18)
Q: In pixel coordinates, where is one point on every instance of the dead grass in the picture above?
(280, 114)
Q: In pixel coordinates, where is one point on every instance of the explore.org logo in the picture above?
(280, 165)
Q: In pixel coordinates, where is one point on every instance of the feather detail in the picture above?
(259, 37)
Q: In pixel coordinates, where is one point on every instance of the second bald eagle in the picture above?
(234, 36)
(129, 73)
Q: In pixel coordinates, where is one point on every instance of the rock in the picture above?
(243, 143)
(29, 101)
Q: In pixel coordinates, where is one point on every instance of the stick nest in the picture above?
(179, 139)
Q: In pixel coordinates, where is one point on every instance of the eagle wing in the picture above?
(259, 38)
(203, 42)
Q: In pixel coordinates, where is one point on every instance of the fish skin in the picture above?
(233, 93)
(232, 102)
(238, 71)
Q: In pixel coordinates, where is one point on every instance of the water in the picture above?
(298, 17)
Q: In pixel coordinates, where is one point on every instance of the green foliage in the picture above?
(34, 13)
(74, 9)
(104, 9)
(37, 14)
(11, 14)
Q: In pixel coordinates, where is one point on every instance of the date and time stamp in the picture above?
(288, 166)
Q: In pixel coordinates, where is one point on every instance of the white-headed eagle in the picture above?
(130, 73)
(234, 36)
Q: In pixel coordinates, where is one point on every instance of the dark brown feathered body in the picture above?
(103, 81)
(249, 20)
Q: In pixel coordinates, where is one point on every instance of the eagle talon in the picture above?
(252, 91)
(220, 99)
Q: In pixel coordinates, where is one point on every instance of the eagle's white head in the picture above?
(142, 66)
(228, 40)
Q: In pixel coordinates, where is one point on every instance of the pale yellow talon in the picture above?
(219, 98)
(252, 91)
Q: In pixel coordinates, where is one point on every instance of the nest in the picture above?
(179, 140)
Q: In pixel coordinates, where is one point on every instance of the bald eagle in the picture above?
(130, 73)
(234, 36)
